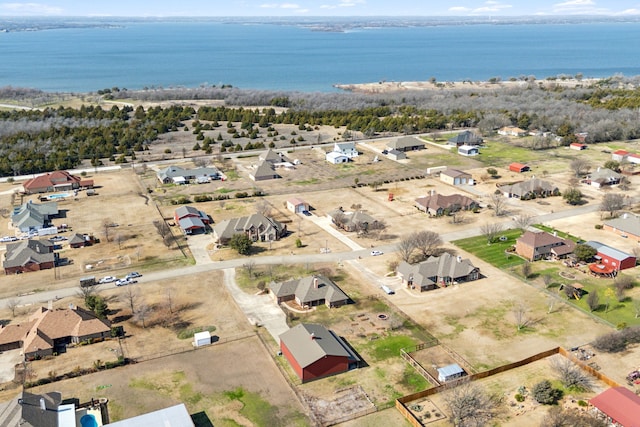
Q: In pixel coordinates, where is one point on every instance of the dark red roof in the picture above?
(620, 404)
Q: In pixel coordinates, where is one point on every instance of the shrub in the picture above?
(519, 397)
(167, 151)
(544, 393)
(298, 243)
(613, 342)
(202, 198)
(241, 195)
(582, 403)
(598, 226)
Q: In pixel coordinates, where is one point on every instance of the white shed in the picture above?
(201, 338)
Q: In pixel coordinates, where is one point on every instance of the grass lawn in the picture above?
(560, 234)
(493, 253)
(388, 347)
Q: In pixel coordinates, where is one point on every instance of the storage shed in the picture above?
(519, 167)
(450, 372)
(201, 338)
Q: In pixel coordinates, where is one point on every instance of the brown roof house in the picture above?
(81, 240)
(297, 205)
(352, 221)
(309, 292)
(530, 189)
(439, 271)
(29, 255)
(456, 177)
(55, 181)
(49, 331)
(439, 204)
(257, 226)
(316, 352)
(542, 245)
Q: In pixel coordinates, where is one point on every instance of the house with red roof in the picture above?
(578, 146)
(619, 405)
(55, 181)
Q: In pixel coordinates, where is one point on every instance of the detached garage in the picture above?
(315, 352)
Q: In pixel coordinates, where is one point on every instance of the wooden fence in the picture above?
(401, 403)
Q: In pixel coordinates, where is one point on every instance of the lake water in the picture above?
(282, 57)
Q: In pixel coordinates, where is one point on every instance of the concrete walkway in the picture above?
(198, 246)
(261, 310)
(326, 224)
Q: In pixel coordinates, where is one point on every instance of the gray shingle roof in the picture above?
(445, 266)
(25, 251)
(627, 223)
(405, 142)
(608, 250)
(309, 343)
(305, 292)
(226, 229)
(524, 187)
(33, 215)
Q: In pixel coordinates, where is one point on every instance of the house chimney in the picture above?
(313, 336)
(625, 216)
(43, 405)
(50, 305)
(433, 192)
(459, 258)
(315, 283)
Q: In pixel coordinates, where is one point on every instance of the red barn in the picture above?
(612, 257)
(518, 167)
(620, 405)
(315, 352)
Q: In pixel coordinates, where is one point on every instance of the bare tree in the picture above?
(547, 279)
(249, 266)
(526, 269)
(551, 303)
(522, 316)
(131, 295)
(377, 228)
(579, 166)
(523, 221)
(107, 224)
(263, 207)
(119, 238)
(405, 247)
(168, 240)
(427, 242)
(12, 304)
(491, 231)
(557, 416)
(612, 203)
(170, 294)
(499, 203)
(570, 374)
(142, 313)
(470, 405)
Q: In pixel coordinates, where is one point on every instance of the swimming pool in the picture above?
(59, 196)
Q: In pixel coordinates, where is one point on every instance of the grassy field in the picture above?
(493, 253)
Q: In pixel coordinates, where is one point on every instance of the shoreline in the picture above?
(402, 86)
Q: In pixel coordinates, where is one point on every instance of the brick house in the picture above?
(542, 245)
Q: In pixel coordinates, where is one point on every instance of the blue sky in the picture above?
(319, 8)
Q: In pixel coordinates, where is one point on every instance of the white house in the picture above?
(512, 131)
(336, 157)
(346, 149)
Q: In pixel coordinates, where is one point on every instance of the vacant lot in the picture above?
(209, 379)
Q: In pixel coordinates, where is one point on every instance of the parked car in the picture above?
(307, 213)
(376, 253)
(57, 238)
(122, 282)
(133, 275)
(107, 279)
